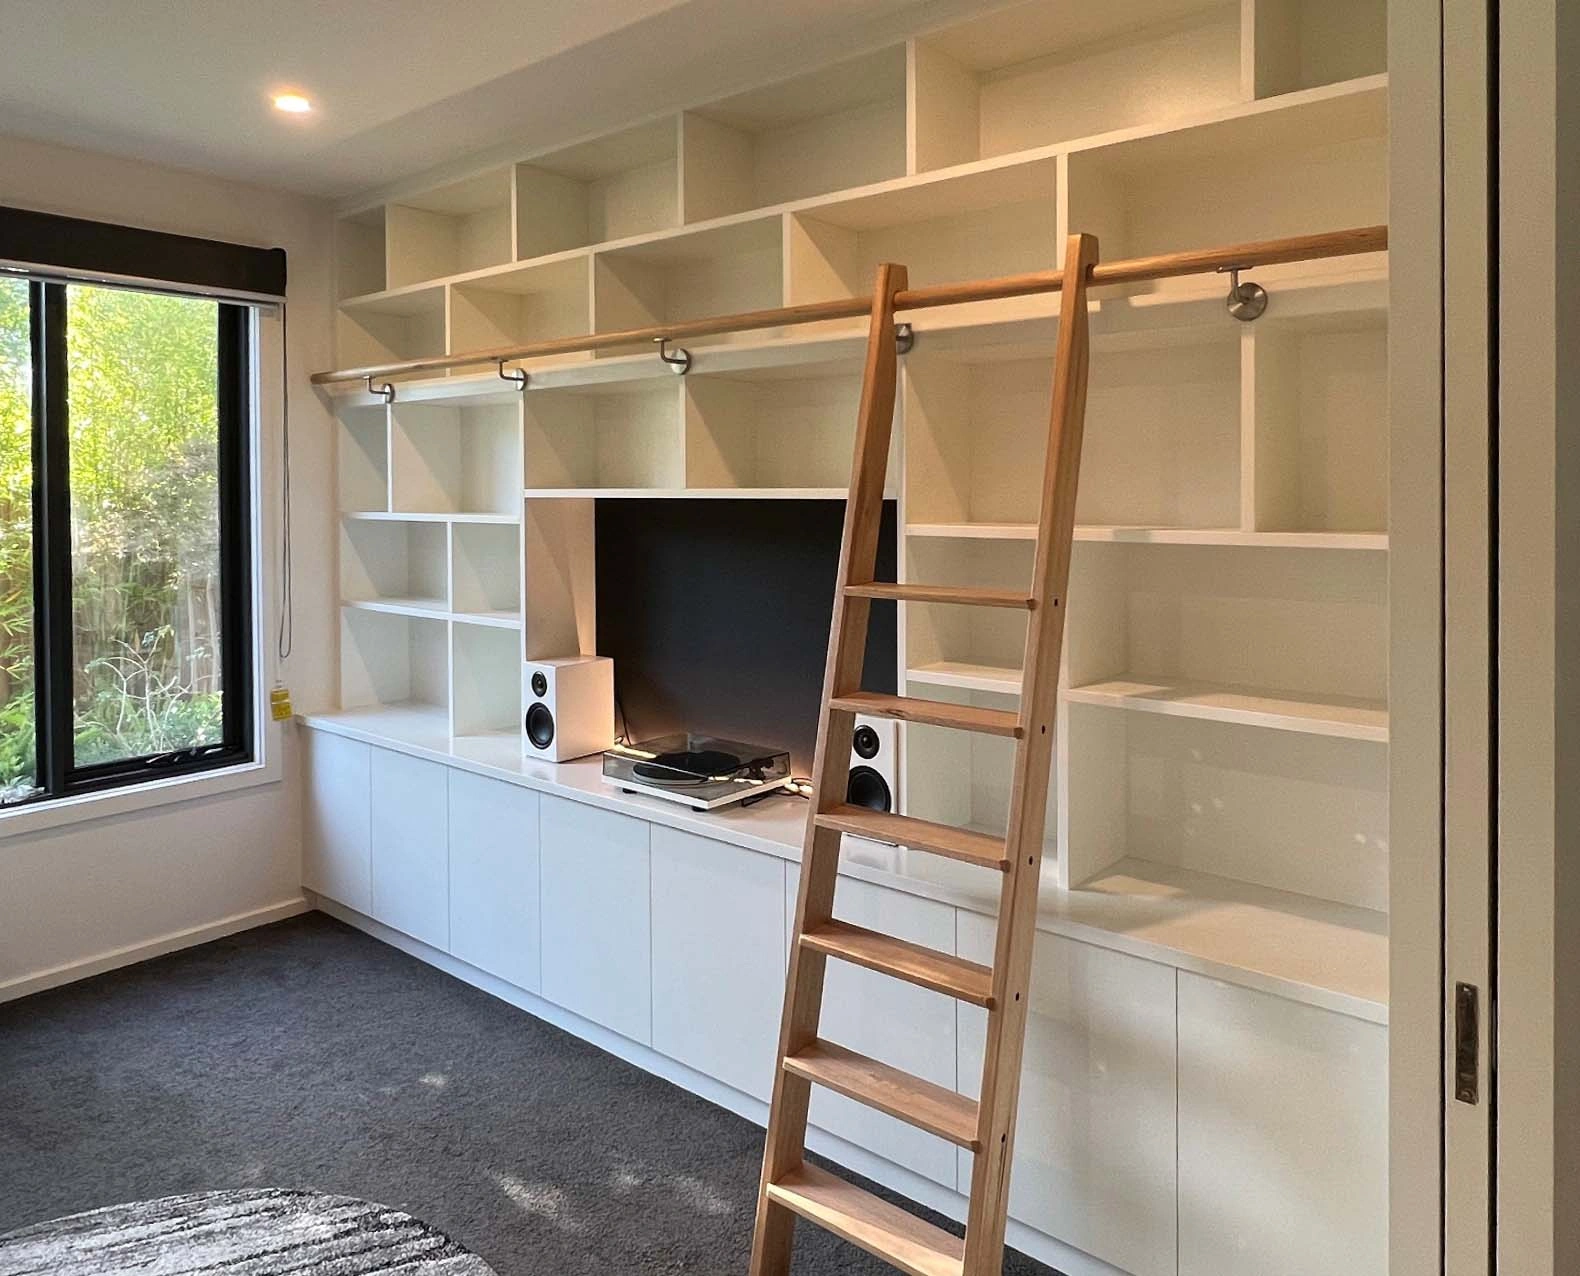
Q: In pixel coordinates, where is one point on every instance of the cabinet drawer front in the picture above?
(494, 906)
(337, 837)
(411, 847)
(1283, 1136)
(890, 1020)
(1094, 1144)
(718, 958)
(596, 932)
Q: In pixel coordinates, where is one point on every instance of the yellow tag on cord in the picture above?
(280, 703)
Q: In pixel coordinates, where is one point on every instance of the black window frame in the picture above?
(57, 774)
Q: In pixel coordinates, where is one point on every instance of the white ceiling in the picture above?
(402, 86)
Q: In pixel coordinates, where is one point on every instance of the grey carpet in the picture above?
(306, 1055)
(247, 1233)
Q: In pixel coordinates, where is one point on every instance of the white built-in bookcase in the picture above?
(1224, 712)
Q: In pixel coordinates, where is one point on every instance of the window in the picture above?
(18, 735)
(125, 590)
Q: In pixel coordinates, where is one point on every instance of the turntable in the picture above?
(702, 771)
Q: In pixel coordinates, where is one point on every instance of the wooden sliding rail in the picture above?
(1267, 252)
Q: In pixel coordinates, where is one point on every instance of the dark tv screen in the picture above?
(717, 612)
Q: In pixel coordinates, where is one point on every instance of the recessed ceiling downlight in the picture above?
(292, 103)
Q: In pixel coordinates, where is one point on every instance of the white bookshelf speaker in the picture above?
(567, 707)
(874, 764)
(874, 784)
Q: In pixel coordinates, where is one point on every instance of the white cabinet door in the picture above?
(411, 847)
(718, 958)
(336, 834)
(1094, 1144)
(1283, 1137)
(889, 1020)
(494, 917)
(596, 924)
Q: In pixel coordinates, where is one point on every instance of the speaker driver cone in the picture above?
(868, 788)
(540, 726)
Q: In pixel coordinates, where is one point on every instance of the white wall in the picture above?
(89, 895)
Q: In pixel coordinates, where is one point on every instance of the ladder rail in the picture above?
(1197, 261)
(785, 1143)
(1006, 1030)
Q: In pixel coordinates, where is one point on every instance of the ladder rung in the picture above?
(964, 717)
(953, 976)
(964, 595)
(912, 1244)
(955, 843)
(920, 1103)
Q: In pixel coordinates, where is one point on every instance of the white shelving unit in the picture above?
(430, 558)
(727, 268)
(606, 189)
(1220, 788)
(839, 127)
(402, 323)
(396, 661)
(1038, 74)
(774, 428)
(992, 219)
(455, 457)
(530, 303)
(1294, 166)
(1176, 753)
(1317, 440)
(388, 563)
(605, 436)
(464, 226)
(1287, 45)
(359, 253)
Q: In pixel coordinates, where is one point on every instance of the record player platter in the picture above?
(701, 771)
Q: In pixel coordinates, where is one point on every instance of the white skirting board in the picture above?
(1038, 1245)
(134, 953)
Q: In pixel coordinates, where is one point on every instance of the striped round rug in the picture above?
(244, 1233)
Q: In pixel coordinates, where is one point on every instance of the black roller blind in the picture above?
(46, 242)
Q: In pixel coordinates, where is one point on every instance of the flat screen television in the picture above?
(717, 614)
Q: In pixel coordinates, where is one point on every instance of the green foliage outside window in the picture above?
(16, 544)
(142, 372)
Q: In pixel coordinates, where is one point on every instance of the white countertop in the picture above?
(1333, 956)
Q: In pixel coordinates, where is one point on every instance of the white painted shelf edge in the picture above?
(1338, 953)
(689, 493)
(1338, 716)
(412, 516)
(1231, 536)
(434, 609)
(428, 608)
(977, 531)
(966, 676)
(1333, 956)
(1341, 717)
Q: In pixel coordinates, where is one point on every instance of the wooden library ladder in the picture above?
(791, 1187)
